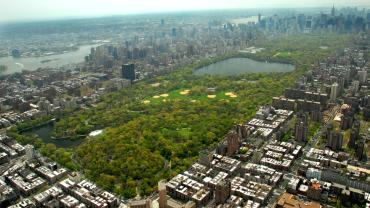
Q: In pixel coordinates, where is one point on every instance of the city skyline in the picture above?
(184, 105)
(21, 10)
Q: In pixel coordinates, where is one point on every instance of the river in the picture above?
(32, 63)
(237, 66)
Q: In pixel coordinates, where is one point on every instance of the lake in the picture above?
(236, 66)
(32, 63)
(45, 134)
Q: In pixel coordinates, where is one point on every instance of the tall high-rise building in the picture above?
(356, 125)
(301, 131)
(162, 201)
(362, 76)
(233, 143)
(144, 203)
(316, 116)
(301, 19)
(360, 149)
(308, 24)
(356, 85)
(346, 122)
(30, 151)
(174, 32)
(92, 51)
(205, 158)
(334, 91)
(347, 76)
(333, 11)
(352, 139)
(335, 140)
(128, 72)
(341, 82)
(222, 192)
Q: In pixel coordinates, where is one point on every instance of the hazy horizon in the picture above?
(32, 10)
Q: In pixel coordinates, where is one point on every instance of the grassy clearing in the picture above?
(187, 95)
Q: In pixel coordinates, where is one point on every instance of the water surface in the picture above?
(236, 66)
(45, 134)
(32, 63)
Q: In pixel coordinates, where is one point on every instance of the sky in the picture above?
(20, 10)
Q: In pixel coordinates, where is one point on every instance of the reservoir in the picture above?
(45, 134)
(237, 66)
(32, 63)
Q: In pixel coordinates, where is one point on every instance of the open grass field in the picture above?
(187, 96)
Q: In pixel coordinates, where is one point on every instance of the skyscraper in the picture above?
(205, 158)
(233, 142)
(335, 140)
(174, 32)
(128, 72)
(301, 131)
(341, 86)
(333, 11)
(222, 192)
(356, 125)
(162, 201)
(346, 121)
(334, 91)
(352, 139)
(356, 85)
(362, 76)
(360, 149)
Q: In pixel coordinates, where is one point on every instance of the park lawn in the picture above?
(284, 54)
(176, 95)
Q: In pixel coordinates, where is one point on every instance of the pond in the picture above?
(236, 66)
(45, 134)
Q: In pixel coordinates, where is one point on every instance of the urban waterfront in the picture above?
(225, 109)
(53, 61)
(237, 66)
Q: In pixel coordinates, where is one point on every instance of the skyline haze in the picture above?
(28, 10)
